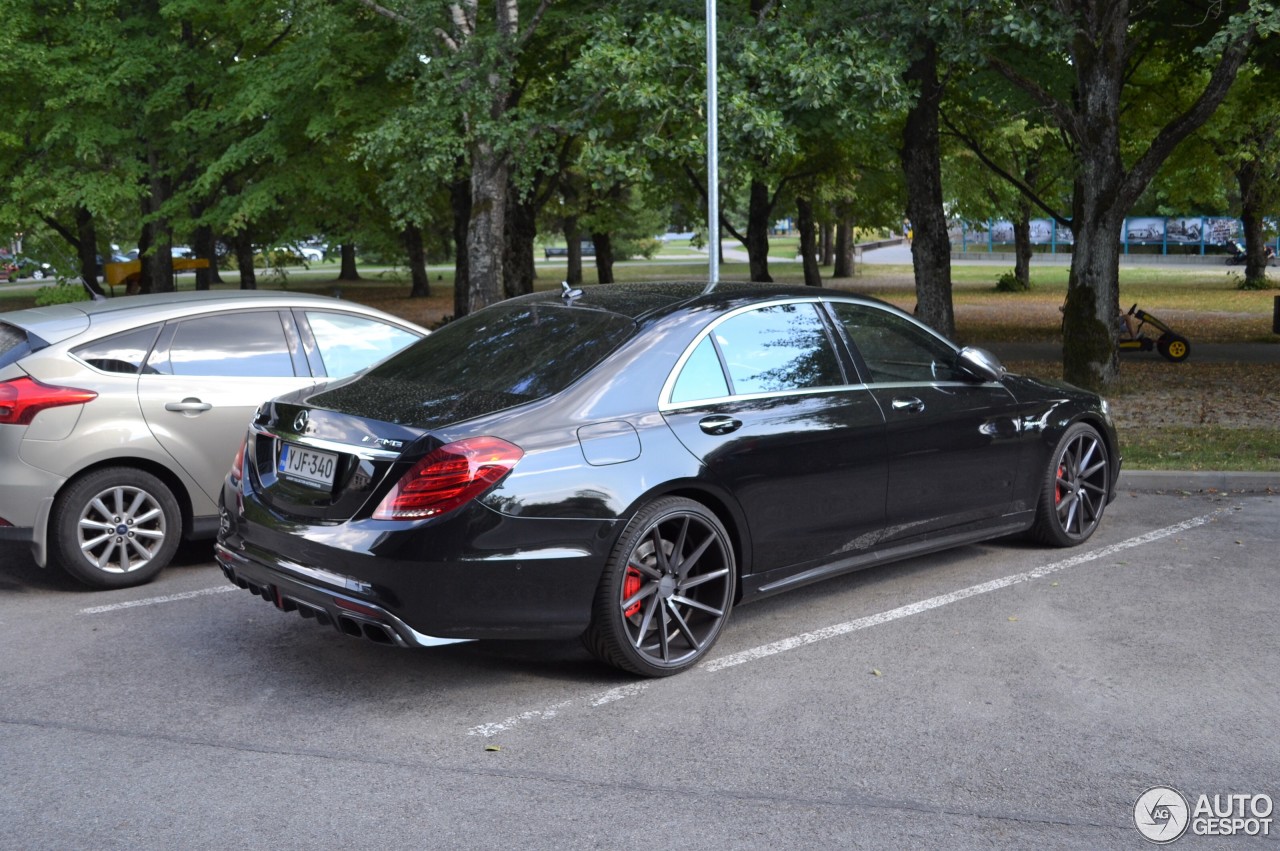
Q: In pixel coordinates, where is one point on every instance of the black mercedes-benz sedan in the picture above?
(627, 463)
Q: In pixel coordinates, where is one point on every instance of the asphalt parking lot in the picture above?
(995, 696)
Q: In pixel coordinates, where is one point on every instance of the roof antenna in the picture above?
(569, 293)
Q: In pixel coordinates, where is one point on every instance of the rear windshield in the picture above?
(527, 351)
(13, 344)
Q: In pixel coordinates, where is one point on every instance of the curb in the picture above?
(1197, 481)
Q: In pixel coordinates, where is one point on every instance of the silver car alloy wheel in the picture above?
(121, 529)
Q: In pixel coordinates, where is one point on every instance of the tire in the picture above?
(1174, 347)
(1074, 494)
(666, 592)
(37, 274)
(147, 522)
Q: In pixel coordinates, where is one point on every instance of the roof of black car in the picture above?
(646, 299)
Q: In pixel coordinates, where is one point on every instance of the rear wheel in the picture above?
(1074, 493)
(115, 528)
(1174, 347)
(666, 592)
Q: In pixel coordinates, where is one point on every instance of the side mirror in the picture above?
(981, 364)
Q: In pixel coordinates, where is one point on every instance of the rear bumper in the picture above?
(350, 616)
(474, 574)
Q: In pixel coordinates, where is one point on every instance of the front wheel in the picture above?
(115, 528)
(1074, 493)
(1173, 347)
(666, 592)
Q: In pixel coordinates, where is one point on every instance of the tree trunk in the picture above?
(243, 245)
(808, 242)
(421, 281)
(1249, 178)
(517, 256)
(460, 202)
(487, 229)
(573, 262)
(828, 247)
(844, 249)
(347, 264)
(87, 250)
(207, 247)
(157, 276)
(1089, 330)
(1022, 247)
(603, 241)
(757, 242)
(922, 166)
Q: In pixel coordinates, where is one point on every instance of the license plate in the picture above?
(307, 465)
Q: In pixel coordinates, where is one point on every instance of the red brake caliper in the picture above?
(1057, 491)
(631, 583)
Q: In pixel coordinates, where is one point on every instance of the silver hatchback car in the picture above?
(119, 418)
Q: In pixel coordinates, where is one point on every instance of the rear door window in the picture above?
(778, 348)
(241, 344)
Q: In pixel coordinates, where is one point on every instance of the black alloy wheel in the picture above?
(1075, 489)
(666, 592)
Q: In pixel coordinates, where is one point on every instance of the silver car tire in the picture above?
(115, 528)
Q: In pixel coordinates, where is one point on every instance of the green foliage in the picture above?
(66, 291)
(1010, 283)
(1259, 283)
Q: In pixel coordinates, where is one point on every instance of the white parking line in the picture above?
(804, 639)
(153, 601)
(847, 627)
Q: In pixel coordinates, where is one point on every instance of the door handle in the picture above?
(719, 425)
(910, 404)
(190, 406)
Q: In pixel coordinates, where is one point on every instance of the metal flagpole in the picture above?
(713, 153)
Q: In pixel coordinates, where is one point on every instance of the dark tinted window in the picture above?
(895, 349)
(123, 352)
(519, 352)
(702, 377)
(241, 344)
(777, 348)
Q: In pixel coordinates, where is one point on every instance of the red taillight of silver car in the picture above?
(237, 463)
(22, 398)
(449, 477)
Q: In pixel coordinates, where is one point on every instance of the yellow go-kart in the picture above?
(1170, 344)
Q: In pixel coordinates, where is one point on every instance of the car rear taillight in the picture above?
(22, 398)
(237, 463)
(448, 477)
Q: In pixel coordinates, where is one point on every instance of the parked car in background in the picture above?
(629, 462)
(118, 418)
(312, 253)
(27, 267)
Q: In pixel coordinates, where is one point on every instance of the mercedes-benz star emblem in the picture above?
(300, 422)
